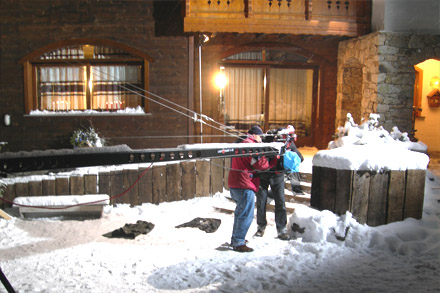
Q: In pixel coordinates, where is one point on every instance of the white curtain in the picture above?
(244, 100)
(62, 88)
(113, 86)
(290, 98)
(290, 92)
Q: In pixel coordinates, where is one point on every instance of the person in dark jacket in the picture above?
(275, 179)
(243, 185)
(294, 177)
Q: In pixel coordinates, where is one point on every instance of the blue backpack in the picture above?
(291, 161)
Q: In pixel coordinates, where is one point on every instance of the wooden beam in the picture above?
(4, 215)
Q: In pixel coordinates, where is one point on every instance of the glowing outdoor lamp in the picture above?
(220, 79)
(435, 82)
(220, 82)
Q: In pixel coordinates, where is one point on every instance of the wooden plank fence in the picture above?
(374, 198)
(162, 183)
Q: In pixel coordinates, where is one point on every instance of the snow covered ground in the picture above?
(55, 255)
(60, 255)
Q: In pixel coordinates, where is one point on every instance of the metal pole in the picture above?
(200, 83)
(6, 283)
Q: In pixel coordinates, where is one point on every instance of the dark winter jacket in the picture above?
(244, 168)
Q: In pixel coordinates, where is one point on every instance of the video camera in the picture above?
(285, 135)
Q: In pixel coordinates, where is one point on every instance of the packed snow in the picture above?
(55, 255)
(327, 252)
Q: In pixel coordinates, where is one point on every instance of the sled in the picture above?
(90, 205)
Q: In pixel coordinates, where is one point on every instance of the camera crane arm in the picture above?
(19, 162)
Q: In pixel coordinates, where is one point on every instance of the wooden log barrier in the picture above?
(161, 183)
(373, 198)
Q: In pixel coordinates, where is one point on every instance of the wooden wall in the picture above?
(26, 26)
(161, 183)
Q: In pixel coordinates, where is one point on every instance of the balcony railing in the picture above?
(324, 17)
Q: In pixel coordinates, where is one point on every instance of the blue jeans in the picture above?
(243, 214)
(276, 183)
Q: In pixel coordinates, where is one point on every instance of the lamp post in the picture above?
(202, 39)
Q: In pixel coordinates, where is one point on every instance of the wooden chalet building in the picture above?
(67, 65)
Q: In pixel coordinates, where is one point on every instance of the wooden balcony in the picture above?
(310, 17)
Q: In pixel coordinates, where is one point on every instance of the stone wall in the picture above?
(387, 60)
(358, 64)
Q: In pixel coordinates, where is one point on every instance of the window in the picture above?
(273, 93)
(86, 76)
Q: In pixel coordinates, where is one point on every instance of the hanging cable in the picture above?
(197, 117)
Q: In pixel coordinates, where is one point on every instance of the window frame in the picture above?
(31, 61)
(266, 66)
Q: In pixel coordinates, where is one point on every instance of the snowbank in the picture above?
(370, 147)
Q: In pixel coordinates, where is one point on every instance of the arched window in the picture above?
(85, 74)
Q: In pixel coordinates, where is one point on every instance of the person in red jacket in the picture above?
(243, 185)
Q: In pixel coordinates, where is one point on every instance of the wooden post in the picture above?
(217, 175)
(62, 186)
(104, 183)
(414, 195)
(21, 189)
(128, 178)
(361, 187)
(145, 188)
(9, 195)
(35, 188)
(396, 196)
(315, 196)
(343, 191)
(159, 184)
(188, 179)
(202, 178)
(116, 186)
(48, 187)
(90, 184)
(328, 189)
(377, 201)
(77, 185)
(174, 182)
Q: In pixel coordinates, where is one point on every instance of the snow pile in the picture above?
(370, 147)
(371, 133)
(315, 226)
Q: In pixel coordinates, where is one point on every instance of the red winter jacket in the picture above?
(243, 169)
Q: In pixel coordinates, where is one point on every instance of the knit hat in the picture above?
(255, 130)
